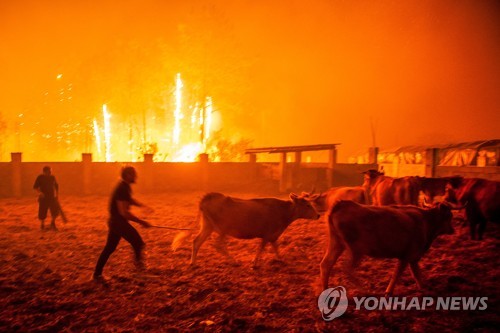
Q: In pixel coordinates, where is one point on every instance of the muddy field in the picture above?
(45, 280)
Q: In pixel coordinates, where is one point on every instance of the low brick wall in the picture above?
(152, 177)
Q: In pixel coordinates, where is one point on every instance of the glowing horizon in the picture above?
(278, 72)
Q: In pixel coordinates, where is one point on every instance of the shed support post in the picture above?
(332, 161)
(431, 161)
(282, 169)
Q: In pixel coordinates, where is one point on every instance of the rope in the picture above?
(172, 228)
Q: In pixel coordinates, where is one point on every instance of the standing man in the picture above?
(47, 188)
(119, 227)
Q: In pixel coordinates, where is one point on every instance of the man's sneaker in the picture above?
(140, 266)
(99, 278)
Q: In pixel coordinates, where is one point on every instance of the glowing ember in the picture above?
(177, 113)
(188, 153)
(107, 132)
(131, 146)
(183, 141)
(97, 136)
(194, 116)
(208, 121)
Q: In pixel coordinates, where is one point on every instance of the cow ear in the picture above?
(426, 204)
(445, 206)
(293, 196)
(314, 197)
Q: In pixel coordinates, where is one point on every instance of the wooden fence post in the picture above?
(431, 161)
(148, 172)
(332, 160)
(203, 160)
(16, 173)
(283, 173)
(296, 177)
(86, 173)
(373, 155)
(252, 160)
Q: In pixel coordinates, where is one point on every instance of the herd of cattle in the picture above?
(383, 218)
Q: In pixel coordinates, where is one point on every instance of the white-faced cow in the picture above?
(401, 232)
(436, 187)
(264, 218)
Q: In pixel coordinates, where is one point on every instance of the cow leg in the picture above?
(481, 228)
(333, 252)
(355, 260)
(395, 277)
(259, 252)
(476, 220)
(415, 272)
(199, 240)
(275, 250)
(221, 247)
(472, 226)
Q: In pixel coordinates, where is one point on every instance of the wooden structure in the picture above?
(297, 151)
(479, 159)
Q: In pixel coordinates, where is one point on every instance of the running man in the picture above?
(119, 227)
(47, 189)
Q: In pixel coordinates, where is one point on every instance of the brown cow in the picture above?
(481, 198)
(402, 232)
(264, 218)
(384, 190)
(433, 187)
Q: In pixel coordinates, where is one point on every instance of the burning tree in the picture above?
(225, 150)
(137, 79)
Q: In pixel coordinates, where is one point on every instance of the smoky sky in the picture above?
(389, 73)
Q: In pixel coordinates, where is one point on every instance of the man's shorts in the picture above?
(44, 204)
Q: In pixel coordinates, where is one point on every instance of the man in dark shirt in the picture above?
(47, 188)
(119, 227)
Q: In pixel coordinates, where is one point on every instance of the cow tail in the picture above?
(181, 237)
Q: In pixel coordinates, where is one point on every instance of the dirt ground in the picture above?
(45, 283)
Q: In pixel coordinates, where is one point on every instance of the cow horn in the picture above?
(313, 197)
(457, 207)
(427, 205)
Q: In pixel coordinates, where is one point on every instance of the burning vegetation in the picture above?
(182, 139)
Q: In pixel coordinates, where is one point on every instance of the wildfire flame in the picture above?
(177, 113)
(188, 153)
(97, 137)
(208, 121)
(183, 141)
(107, 132)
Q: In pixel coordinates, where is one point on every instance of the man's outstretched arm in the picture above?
(124, 210)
